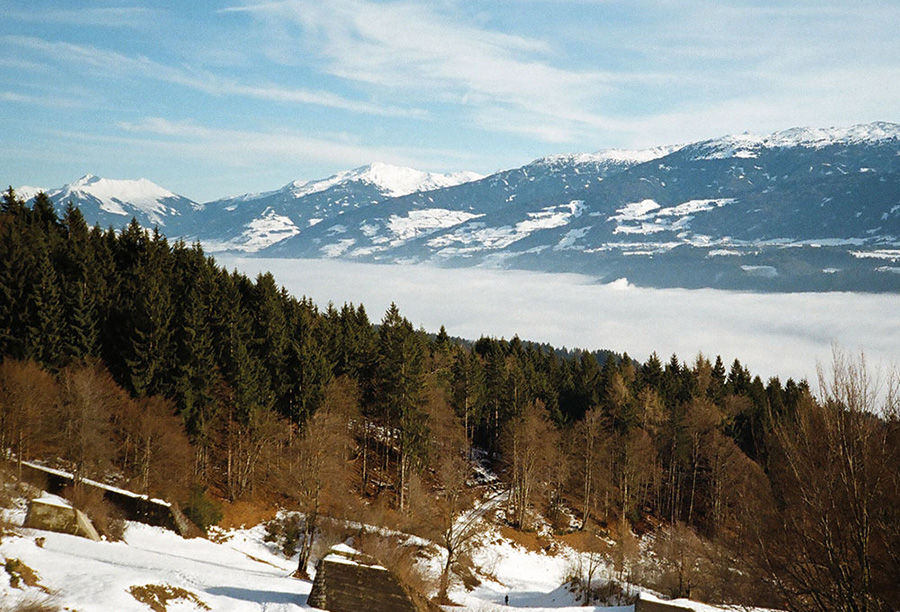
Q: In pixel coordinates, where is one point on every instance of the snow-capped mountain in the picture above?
(801, 209)
(255, 221)
(377, 232)
(114, 202)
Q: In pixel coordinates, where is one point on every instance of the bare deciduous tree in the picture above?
(525, 442)
(835, 472)
(28, 395)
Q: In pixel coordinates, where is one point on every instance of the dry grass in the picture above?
(31, 605)
(158, 596)
(583, 541)
(20, 574)
(400, 559)
(529, 540)
(245, 513)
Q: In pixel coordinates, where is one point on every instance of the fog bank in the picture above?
(773, 334)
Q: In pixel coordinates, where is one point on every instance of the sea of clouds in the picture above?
(785, 335)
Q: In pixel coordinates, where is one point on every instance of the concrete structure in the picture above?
(348, 581)
(54, 515)
(134, 507)
(652, 605)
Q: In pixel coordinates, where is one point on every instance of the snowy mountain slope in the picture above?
(255, 221)
(113, 202)
(706, 214)
(371, 232)
(391, 181)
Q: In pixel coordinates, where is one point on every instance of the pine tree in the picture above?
(11, 204)
(15, 255)
(308, 370)
(399, 383)
(195, 368)
(43, 334)
(149, 354)
(80, 329)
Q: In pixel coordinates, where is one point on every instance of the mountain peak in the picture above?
(140, 197)
(613, 157)
(390, 180)
(747, 145)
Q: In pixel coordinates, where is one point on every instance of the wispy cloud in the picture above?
(250, 148)
(654, 60)
(48, 101)
(417, 50)
(112, 63)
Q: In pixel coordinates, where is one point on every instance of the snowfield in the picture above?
(239, 572)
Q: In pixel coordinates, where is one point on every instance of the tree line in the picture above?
(253, 392)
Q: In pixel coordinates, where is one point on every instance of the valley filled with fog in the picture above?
(783, 335)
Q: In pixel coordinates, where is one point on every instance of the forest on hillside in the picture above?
(140, 362)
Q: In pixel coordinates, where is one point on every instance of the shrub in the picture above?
(106, 518)
(285, 531)
(202, 510)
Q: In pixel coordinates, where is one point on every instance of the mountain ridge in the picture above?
(800, 209)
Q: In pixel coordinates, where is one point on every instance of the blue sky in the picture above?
(216, 98)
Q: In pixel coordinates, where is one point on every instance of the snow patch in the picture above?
(648, 217)
(475, 236)
(338, 248)
(761, 271)
(888, 254)
(572, 236)
(391, 181)
(423, 222)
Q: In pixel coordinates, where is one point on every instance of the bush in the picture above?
(285, 531)
(202, 510)
(106, 518)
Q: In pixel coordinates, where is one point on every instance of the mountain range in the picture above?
(800, 210)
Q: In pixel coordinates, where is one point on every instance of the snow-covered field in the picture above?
(240, 572)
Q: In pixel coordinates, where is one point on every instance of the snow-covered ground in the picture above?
(240, 572)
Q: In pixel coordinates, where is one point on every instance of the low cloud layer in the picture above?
(783, 335)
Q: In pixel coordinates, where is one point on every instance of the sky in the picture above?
(223, 97)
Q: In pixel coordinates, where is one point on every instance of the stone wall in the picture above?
(347, 581)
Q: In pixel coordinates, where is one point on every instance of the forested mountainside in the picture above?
(131, 358)
(800, 210)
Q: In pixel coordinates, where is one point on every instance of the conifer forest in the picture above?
(133, 360)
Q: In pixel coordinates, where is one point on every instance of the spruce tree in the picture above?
(44, 326)
(400, 395)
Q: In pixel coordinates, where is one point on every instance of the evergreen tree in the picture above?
(149, 353)
(308, 370)
(44, 326)
(11, 204)
(399, 384)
